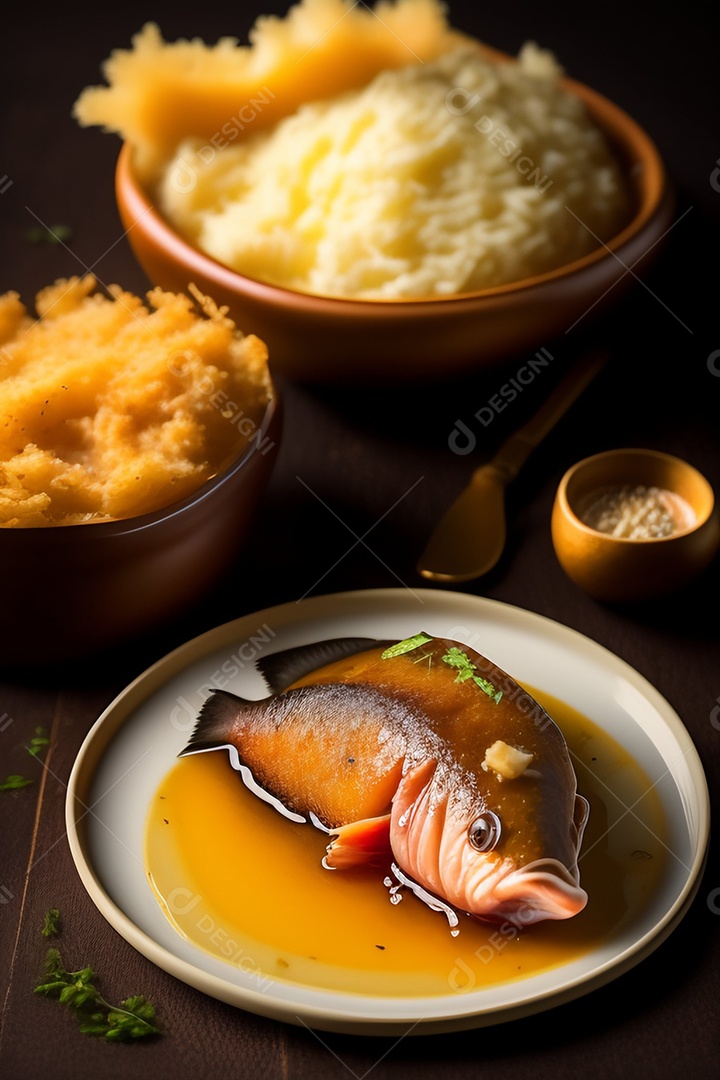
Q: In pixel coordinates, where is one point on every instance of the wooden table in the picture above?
(367, 474)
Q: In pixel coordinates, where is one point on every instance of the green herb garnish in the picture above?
(407, 645)
(12, 783)
(456, 658)
(51, 926)
(38, 742)
(52, 234)
(132, 1019)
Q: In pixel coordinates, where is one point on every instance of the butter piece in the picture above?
(508, 762)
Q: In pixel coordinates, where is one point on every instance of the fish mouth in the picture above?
(544, 889)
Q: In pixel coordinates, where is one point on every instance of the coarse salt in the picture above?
(636, 512)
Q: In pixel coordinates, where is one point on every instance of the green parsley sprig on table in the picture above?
(12, 783)
(51, 926)
(49, 234)
(132, 1019)
(38, 743)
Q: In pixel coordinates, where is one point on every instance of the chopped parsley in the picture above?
(407, 645)
(458, 659)
(454, 657)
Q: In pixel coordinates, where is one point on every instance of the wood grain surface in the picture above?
(361, 479)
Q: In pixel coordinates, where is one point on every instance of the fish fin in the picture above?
(282, 669)
(358, 843)
(215, 719)
(410, 788)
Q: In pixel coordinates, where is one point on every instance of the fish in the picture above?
(421, 751)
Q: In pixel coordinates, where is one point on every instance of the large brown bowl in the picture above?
(329, 340)
(69, 591)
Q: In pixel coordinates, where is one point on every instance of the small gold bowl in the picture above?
(618, 568)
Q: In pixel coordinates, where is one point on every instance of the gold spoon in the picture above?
(469, 539)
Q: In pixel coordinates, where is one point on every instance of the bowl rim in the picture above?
(106, 528)
(639, 158)
(563, 503)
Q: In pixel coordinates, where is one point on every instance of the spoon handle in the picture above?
(513, 453)
(470, 537)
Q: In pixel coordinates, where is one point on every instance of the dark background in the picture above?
(361, 453)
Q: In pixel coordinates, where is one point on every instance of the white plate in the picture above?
(133, 744)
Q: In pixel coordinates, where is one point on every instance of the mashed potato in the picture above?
(376, 156)
(435, 179)
(112, 408)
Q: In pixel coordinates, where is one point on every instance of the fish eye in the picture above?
(485, 830)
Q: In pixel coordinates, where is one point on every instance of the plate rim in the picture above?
(342, 1019)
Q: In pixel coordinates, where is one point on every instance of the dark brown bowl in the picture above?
(71, 590)
(328, 340)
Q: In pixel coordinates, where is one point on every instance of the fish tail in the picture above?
(216, 719)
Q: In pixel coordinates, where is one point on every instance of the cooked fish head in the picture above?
(497, 862)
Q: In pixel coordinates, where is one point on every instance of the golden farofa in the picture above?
(113, 407)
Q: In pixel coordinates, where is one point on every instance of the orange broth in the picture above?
(246, 885)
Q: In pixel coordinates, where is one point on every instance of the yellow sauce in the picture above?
(246, 885)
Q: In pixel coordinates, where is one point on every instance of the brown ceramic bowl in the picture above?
(328, 340)
(617, 569)
(68, 591)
